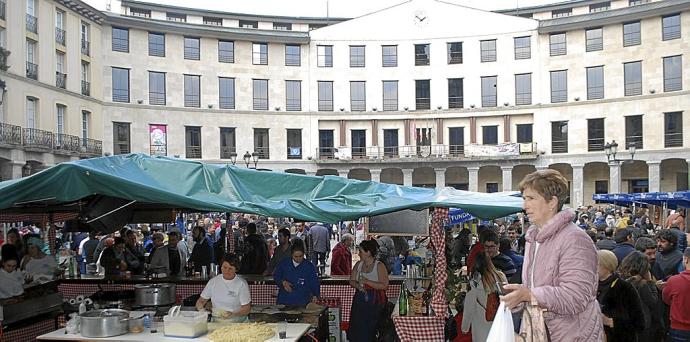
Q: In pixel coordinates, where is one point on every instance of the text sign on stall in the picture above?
(404, 222)
(457, 216)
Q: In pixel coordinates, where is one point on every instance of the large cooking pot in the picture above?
(104, 323)
(154, 294)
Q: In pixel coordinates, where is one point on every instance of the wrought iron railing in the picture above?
(559, 146)
(262, 152)
(85, 47)
(227, 151)
(60, 36)
(10, 134)
(91, 146)
(31, 23)
(325, 152)
(595, 144)
(673, 139)
(85, 88)
(36, 138)
(32, 70)
(67, 143)
(193, 152)
(60, 79)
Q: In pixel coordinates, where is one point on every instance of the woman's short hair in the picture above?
(232, 260)
(607, 260)
(370, 246)
(547, 183)
(347, 237)
(297, 246)
(635, 264)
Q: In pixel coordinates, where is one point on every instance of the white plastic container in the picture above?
(189, 324)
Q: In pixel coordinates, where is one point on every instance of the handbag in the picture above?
(492, 303)
(450, 328)
(533, 328)
(502, 327)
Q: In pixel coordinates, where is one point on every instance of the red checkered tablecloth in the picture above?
(30, 332)
(419, 328)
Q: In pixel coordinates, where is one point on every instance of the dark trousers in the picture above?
(675, 335)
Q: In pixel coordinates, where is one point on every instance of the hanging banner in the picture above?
(457, 216)
(475, 150)
(159, 140)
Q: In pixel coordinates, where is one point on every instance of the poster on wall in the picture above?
(159, 140)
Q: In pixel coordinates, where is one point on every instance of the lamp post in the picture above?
(233, 158)
(611, 149)
(251, 158)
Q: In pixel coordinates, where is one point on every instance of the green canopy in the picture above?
(162, 182)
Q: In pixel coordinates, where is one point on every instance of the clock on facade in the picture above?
(421, 18)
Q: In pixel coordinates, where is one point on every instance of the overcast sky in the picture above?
(317, 8)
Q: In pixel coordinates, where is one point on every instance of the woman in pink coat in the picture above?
(560, 266)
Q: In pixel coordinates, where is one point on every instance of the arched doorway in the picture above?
(424, 177)
(673, 175)
(360, 174)
(490, 179)
(519, 173)
(392, 176)
(596, 180)
(458, 177)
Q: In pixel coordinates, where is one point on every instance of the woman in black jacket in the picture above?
(621, 307)
(635, 269)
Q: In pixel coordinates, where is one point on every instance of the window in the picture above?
(226, 51)
(491, 187)
(455, 53)
(390, 95)
(191, 48)
(260, 94)
(31, 106)
(595, 83)
(226, 93)
(523, 47)
(282, 26)
(559, 86)
(358, 96)
(294, 143)
(325, 96)
(632, 78)
(600, 7)
(193, 142)
(156, 44)
(631, 34)
(595, 39)
(489, 91)
(421, 54)
(60, 118)
(489, 135)
(523, 89)
(324, 56)
(156, 88)
(31, 62)
(557, 44)
(259, 53)
(326, 144)
(138, 12)
(673, 129)
(59, 26)
(670, 27)
(637, 2)
(227, 142)
(213, 21)
(192, 91)
(422, 94)
(121, 138)
(85, 120)
(455, 93)
(261, 142)
(389, 55)
(249, 24)
(358, 142)
(524, 133)
(565, 12)
(633, 131)
(456, 141)
(488, 50)
(595, 134)
(293, 95)
(85, 84)
(60, 77)
(292, 55)
(120, 85)
(356, 56)
(601, 187)
(390, 142)
(120, 39)
(559, 137)
(673, 79)
(31, 20)
(182, 18)
(85, 45)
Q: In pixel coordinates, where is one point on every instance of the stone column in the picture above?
(614, 178)
(12, 170)
(654, 175)
(407, 177)
(343, 173)
(375, 175)
(474, 178)
(507, 178)
(440, 178)
(577, 186)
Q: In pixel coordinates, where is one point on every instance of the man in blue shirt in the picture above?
(296, 278)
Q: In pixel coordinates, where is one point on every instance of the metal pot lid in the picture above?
(106, 313)
(152, 286)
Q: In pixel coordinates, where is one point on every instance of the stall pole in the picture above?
(438, 299)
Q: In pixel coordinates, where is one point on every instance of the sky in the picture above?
(317, 8)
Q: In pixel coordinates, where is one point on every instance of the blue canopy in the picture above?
(617, 199)
(672, 200)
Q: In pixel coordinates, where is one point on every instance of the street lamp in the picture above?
(251, 158)
(233, 158)
(611, 149)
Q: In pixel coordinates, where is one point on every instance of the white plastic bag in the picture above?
(502, 327)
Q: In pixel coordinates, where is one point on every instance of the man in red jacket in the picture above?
(677, 295)
(341, 257)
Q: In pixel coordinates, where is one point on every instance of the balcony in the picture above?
(673, 139)
(33, 138)
(66, 143)
(10, 134)
(294, 152)
(85, 48)
(227, 151)
(2, 10)
(262, 152)
(85, 88)
(32, 70)
(60, 79)
(31, 23)
(193, 152)
(60, 36)
(447, 152)
(91, 147)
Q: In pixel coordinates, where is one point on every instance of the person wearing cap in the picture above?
(676, 294)
(36, 263)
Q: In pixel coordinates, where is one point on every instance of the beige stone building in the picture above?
(424, 93)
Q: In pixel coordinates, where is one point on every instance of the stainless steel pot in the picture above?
(154, 294)
(104, 323)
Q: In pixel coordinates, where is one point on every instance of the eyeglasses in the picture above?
(490, 246)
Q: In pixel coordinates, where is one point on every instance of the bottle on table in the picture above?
(402, 301)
